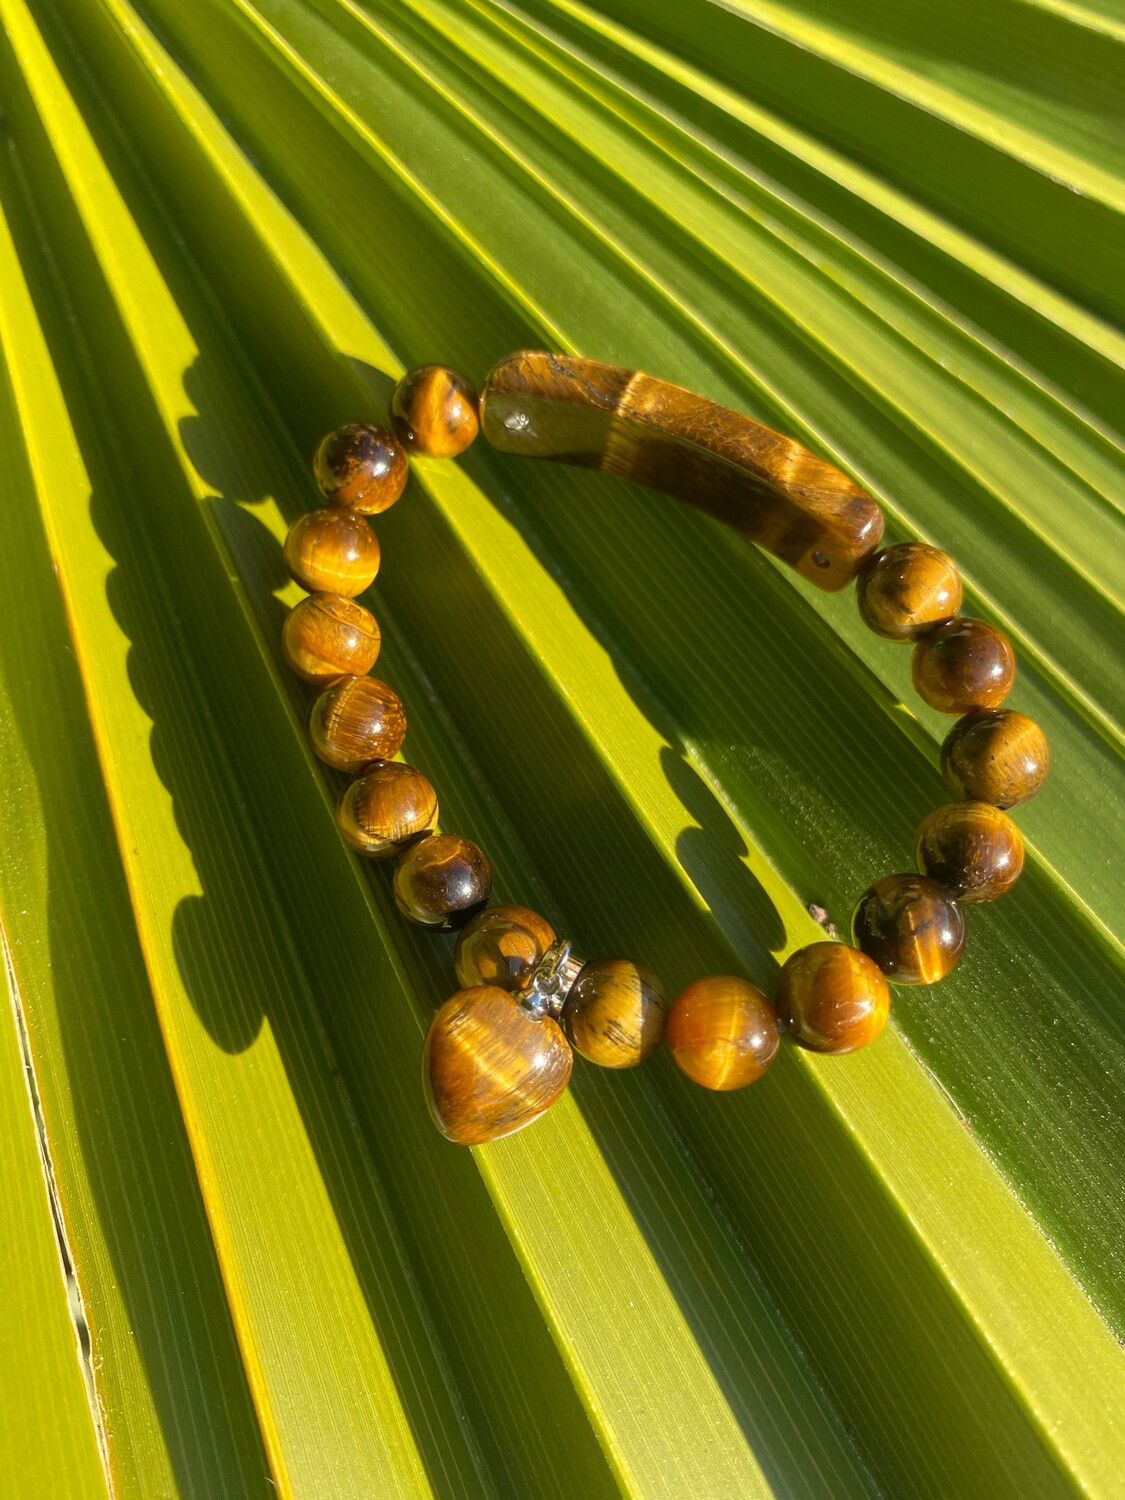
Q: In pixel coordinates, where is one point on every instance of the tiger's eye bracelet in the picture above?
(498, 1054)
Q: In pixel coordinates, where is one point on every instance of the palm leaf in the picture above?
(227, 227)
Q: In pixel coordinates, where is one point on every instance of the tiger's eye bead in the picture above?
(382, 812)
(616, 1013)
(489, 1067)
(442, 881)
(996, 755)
(332, 551)
(501, 946)
(963, 664)
(355, 722)
(723, 1032)
(906, 590)
(362, 467)
(434, 411)
(326, 637)
(911, 926)
(971, 848)
(832, 998)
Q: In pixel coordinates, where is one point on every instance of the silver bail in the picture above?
(544, 991)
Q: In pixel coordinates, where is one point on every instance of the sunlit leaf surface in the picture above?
(892, 229)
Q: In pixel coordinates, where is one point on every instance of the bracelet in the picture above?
(499, 1052)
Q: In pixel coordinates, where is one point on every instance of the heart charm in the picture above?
(490, 1068)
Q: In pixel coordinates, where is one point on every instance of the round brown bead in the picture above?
(908, 589)
(723, 1032)
(327, 636)
(996, 755)
(963, 664)
(355, 722)
(971, 848)
(442, 881)
(911, 926)
(501, 946)
(361, 466)
(332, 551)
(489, 1067)
(434, 411)
(382, 812)
(616, 1012)
(832, 998)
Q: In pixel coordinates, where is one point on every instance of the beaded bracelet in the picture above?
(498, 1054)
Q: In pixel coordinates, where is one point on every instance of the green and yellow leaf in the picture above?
(893, 230)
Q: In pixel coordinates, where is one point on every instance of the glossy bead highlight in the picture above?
(996, 755)
(971, 848)
(832, 998)
(362, 467)
(442, 881)
(963, 664)
(501, 946)
(906, 590)
(616, 1013)
(722, 1032)
(434, 411)
(384, 811)
(911, 926)
(332, 551)
(489, 1069)
(355, 722)
(328, 636)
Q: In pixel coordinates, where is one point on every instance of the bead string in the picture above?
(498, 1053)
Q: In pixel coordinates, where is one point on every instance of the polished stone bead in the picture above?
(501, 946)
(911, 926)
(332, 551)
(489, 1067)
(616, 1013)
(832, 998)
(358, 720)
(722, 1031)
(361, 466)
(971, 848)
(328, 636)
(442, 881)
(766, 485)
(996, 755)
(434, 411)
(963, 664)
(906, 590)
(386, 809)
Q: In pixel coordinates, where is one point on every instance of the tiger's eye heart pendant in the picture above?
(489, 1067)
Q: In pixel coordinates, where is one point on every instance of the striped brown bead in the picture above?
(996, 755)
(971, 848)
(442, 881)
(911, 926)
(722, 1032)
(501, 946)
(963, 664)
(908, 589)
(766, 485)
(385, 810)
(355, 722)
(328, 636)
(489, 1067)
(332, 551)
(616, 1013)
(434, 411)
(361, 466)
(832, 998)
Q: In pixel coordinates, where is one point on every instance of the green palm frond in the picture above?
(891, 229)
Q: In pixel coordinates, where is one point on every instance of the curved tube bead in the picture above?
(598, 416)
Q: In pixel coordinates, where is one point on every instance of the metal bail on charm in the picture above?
(550, 982)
